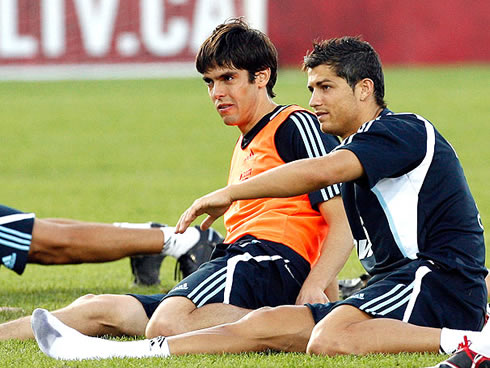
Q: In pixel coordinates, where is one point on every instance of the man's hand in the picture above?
(311, 294)
(214, 204)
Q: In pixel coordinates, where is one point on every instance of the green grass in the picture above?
(144, 150)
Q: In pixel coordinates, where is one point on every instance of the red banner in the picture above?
(95, 31)
(76, 35)
(416, 31)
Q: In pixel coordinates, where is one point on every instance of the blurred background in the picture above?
(69, 39)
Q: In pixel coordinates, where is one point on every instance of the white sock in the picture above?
(481, 341)
(178, 244)
(133, 225)
(62, 342)
(451, 339)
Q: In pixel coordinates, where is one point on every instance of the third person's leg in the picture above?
(93, 315)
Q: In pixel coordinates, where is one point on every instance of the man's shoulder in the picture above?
(303, 127)
(394, 124)
(402, 119)
(286, 112)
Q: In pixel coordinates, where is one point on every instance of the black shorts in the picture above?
(420, 293)
(15, 238)
(250, 273)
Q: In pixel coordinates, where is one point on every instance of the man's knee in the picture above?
(342, 331)
(98, 308)
(161, 326)
(320, 344)
(171, 318)
(326, 340)
(112, 314)
(87, 298)
(95, 307)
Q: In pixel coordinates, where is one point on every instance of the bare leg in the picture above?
(178, 315)
(68, 242)
(284, 328)
(263, 329)
(69, 221)
(92, 315)
(347, 330)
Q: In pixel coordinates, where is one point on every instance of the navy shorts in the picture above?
(15, 238)
(250, 273)
(420, 293)
(149, 302)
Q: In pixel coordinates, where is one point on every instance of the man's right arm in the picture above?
(295, 178)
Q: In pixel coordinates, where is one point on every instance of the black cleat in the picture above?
(146, 268)
(198, 254)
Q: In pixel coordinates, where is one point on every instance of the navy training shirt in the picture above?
(413, 201)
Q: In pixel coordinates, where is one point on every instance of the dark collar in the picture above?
(247, 138)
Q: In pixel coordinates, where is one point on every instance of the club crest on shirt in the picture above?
(246, 174)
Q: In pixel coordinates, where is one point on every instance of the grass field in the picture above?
(144, 150)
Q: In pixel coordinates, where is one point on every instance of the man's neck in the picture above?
(368, 114)
(261, 111)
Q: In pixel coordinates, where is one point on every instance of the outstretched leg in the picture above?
(69, 242)
(348, 330)
(92, 315)
(283, 328)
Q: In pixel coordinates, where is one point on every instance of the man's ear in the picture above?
(365, 88)
(262, 77)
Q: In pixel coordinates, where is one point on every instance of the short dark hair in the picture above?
(352, 59)
(234, 44)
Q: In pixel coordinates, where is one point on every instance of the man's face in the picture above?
(334, 102)
(234, 97)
